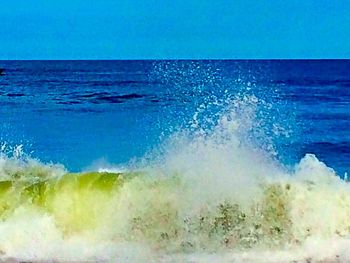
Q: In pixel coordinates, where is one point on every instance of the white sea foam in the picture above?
(209, 195)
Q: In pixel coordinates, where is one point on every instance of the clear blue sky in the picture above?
(112, 29)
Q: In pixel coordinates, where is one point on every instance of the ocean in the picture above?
(205, 160)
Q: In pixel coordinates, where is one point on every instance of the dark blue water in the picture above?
(80, 112)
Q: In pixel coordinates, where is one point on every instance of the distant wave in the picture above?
(115, 98)
(309, 96)
(98, 98)
(15, 94)
(312, 82)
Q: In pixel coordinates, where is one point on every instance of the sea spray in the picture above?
(209, 194)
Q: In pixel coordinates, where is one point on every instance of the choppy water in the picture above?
(221, 160)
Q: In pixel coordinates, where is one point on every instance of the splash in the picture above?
(208, 194)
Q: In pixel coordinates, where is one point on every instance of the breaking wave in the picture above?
(206, 194)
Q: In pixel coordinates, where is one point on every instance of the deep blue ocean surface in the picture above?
(79, 112)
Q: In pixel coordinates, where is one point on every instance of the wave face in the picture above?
(208, 193)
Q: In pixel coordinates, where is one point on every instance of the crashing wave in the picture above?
(208, 195)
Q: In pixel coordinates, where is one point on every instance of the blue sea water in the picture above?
(77, 113)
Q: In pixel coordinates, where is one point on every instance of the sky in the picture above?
(173, 29)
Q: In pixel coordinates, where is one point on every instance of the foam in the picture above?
(206, 195)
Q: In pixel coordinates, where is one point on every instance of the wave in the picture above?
(206, 194)
(312, 82)
(99, 98)
(47, 214)
(15, 94)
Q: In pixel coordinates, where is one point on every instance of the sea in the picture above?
(205, 160)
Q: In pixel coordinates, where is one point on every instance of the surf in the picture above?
(206, 193)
